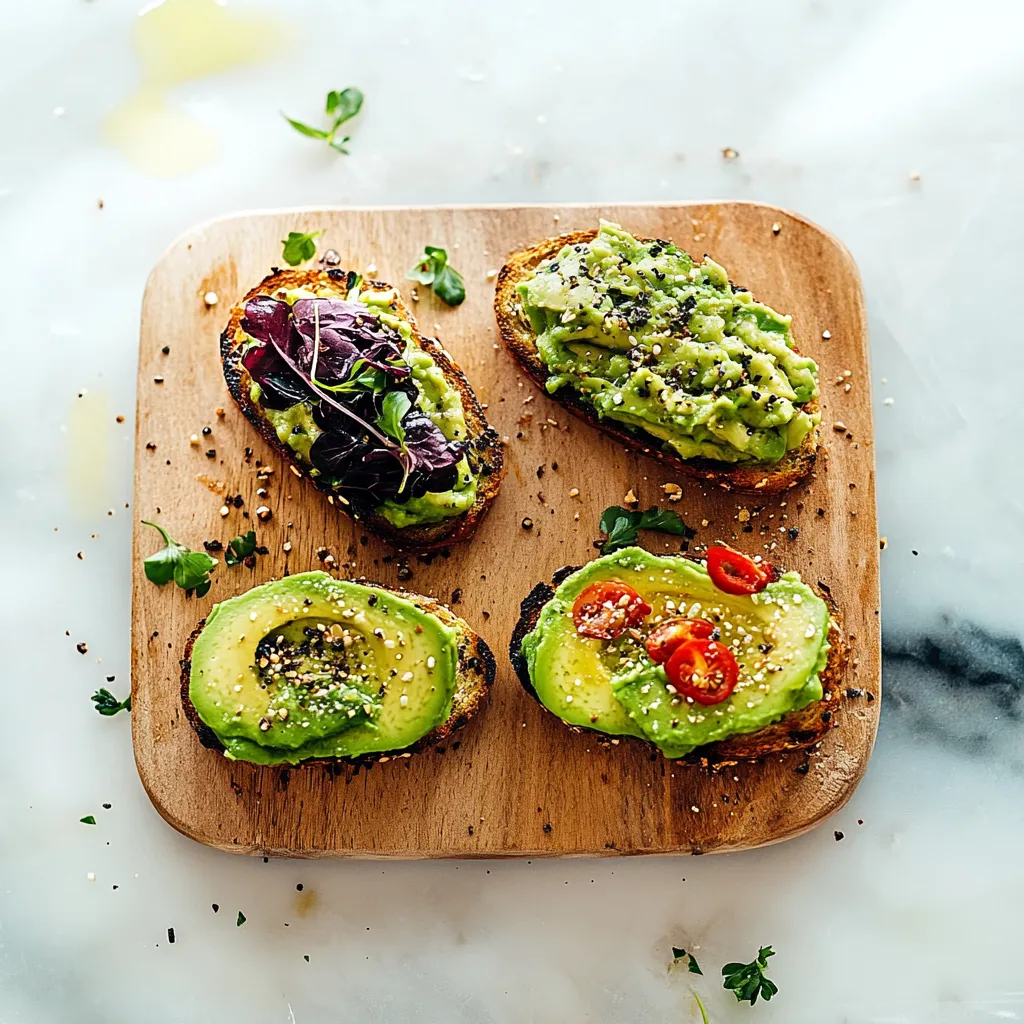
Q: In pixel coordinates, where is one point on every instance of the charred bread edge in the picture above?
(484, 438)
(794, 731)
(519, 339)
(475, 675)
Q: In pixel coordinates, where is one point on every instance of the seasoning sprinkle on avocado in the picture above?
(313, 667)
(644, 645)
(670, 349)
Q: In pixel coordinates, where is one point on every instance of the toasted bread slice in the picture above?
(484, 449)
(474, 679)
(520, 340)
(795, 731)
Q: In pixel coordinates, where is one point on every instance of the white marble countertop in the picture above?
(834, 108)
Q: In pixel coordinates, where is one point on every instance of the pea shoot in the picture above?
(298, 247)
(340, 106)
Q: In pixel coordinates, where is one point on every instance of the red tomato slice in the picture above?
(605, 610)
(704, 670)
(735, 573)
(668, 635)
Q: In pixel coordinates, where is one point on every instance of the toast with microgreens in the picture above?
(335, 375)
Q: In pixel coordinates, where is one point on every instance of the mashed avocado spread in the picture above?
(670, 349)
(436, 398)
(778, 637)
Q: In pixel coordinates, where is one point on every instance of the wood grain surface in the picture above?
(516, 782)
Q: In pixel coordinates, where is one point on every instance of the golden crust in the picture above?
(795, 731)
(485, 446)
(474, 678)
(520, 340)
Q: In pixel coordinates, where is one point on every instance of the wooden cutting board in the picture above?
(517, 782)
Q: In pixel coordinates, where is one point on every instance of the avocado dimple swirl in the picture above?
(321, 677)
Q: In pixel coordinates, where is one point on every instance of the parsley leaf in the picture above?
(88, 820)
(622, 525)
(691, 961)
(299, 247)
(107, 704)
(747, 981)
(240, 920)
(189, 569)
(240, 548)
(433, 270)
(340, 106)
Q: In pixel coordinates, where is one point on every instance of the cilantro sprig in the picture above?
(240, 548)
(107, 704)
(747, 981)
(189, 569)
(298, 247)
(340, 106)
(433, 270)
(622, 525)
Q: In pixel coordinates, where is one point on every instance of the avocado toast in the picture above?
(786, 649)
(335, 375)
(664, 354)
(311, 668)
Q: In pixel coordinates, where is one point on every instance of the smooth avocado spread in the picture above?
(310, 666)
(670, 349)
(777, 636)
(436, 398)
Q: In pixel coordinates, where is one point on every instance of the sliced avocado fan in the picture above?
(310, 666)
(778, 638)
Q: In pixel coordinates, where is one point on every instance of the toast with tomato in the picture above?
(718, 660)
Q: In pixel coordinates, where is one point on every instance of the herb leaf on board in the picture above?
(299, 247)
(189, 569)
(240, 548)
(622, 525)
(433, 270)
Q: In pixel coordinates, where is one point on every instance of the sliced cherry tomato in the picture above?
(704, 670)
(605, 610)
(668, 635)
(735, 573)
